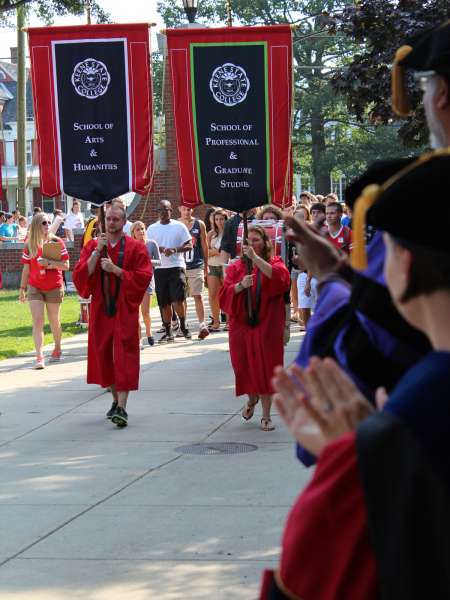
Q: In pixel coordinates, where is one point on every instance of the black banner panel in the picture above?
(93, 109)
(229, 98)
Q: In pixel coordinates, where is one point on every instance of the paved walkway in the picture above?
(90, 512)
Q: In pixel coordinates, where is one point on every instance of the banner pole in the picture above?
(105, 275)
(88, 11)
(249, 268)
(21, 112)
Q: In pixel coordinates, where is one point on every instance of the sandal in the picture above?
(212, 329)
(249, 409)
(266, 424)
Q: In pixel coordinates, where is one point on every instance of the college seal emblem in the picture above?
(229, 84)
(90, 78)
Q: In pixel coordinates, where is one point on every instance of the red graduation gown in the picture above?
(326, 552)
(255, 351)
(113, 342)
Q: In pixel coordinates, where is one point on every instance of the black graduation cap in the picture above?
(429, 52)
(399, 206)
(396, 205)
(377, 172)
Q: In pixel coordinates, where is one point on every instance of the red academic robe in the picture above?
(326, 552)
(113, 342)
(255, 351)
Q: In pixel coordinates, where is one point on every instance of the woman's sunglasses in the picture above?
(45, 222)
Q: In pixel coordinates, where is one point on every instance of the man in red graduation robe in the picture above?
(113, 342)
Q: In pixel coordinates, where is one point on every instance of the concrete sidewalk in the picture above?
(91, 512)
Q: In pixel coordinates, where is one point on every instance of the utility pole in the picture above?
(229, 14)
(88, 11)
(21, 112)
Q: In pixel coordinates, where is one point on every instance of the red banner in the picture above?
(232, 94)
(93, 105)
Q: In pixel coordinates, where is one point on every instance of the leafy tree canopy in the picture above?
(328, 139)
(48, 9)
(379, 27)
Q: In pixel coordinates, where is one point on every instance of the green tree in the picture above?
(317, 53)
(326, 138)
(379, 27)
(48, 9)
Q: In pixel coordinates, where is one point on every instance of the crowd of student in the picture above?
(186, 254)
(14, 226)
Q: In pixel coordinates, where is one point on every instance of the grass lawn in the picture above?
(15, 323)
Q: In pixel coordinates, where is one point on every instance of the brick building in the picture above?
(165, 184)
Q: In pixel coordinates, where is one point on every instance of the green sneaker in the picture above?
(120, 417)
(112, 410)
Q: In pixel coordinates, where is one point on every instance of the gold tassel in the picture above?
(362, 205)
(400, 103)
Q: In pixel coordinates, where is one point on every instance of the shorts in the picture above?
(305, 301)
(215, 271)
(294, 274)
(151, 288)
(195, 279)
(170, 285)
(54, 296)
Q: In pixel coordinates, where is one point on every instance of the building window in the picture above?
(29, 153)
(64, 203)
(48, 205)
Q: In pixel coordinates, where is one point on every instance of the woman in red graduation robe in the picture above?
(256, 348)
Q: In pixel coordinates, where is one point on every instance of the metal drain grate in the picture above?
(217, 448)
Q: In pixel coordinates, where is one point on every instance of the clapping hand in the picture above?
(320, 403)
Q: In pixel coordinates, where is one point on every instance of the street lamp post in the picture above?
(190, 8)
(21, 112)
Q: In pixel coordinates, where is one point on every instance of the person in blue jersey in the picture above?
(8, 230)
(377, 510)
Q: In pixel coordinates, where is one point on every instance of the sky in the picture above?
(131, 11)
